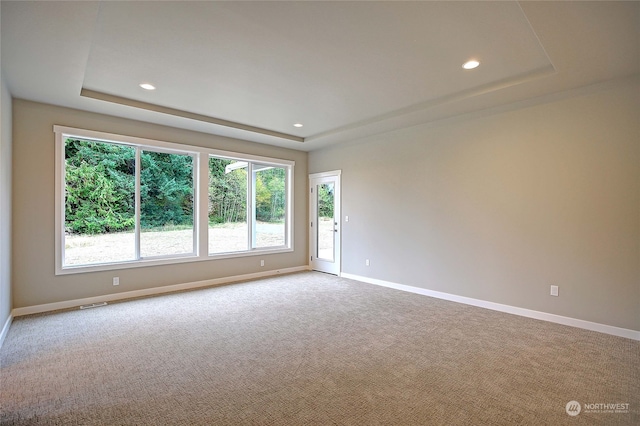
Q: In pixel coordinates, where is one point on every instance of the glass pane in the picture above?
(166, 204)
(325, 228)
(269, 187)
(228, 231)
(99, 202)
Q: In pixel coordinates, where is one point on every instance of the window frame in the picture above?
(138, 201)
(201, 157)
(251, 203)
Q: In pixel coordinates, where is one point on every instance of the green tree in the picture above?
(325, 200)
(270, 194)
(227, 192)
(99, 187)
(166, 189)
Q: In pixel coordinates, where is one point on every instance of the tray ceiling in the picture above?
(342, 69)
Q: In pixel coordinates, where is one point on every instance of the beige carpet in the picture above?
(309, 348)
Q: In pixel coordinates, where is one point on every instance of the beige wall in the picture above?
(34, 281)
(5, 203)
(498, 207)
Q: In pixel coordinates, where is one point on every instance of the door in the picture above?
(324, 222)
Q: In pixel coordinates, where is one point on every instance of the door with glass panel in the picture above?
(324, 222)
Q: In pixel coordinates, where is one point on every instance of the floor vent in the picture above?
(93, 305)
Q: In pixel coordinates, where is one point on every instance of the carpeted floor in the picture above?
(309, 348)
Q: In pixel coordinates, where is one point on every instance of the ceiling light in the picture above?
(297, 125)
(147, 86)
(469, 65)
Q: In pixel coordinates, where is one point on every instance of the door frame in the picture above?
(334, 175)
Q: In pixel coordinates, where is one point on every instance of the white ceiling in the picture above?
(251, 70)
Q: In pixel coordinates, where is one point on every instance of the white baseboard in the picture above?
(48, 307)
(5, 329)
(573, 322)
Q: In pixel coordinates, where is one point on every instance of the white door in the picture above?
(324, 222)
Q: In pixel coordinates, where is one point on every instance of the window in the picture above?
(228, 230)
(166, 204)
(123, 202)
(247, 205)
(99, 217)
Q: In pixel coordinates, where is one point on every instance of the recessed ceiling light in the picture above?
(297, 125)
(147, 86)
(469, 65)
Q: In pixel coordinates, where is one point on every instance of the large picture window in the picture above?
(247, 205)
(124, 201)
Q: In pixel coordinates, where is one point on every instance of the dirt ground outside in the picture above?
(232, 237)
(325, 238)
(119, 247)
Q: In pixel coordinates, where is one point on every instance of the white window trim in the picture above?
(201, 177)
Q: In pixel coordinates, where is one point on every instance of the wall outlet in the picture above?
(116, 280)
(367, 263)
(262, 262)
(554, 290)
(346, 218)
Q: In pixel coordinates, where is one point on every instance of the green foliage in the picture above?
(100, 188)
(325, 200)
(270, 195)
(166, 189)
(227, 192)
